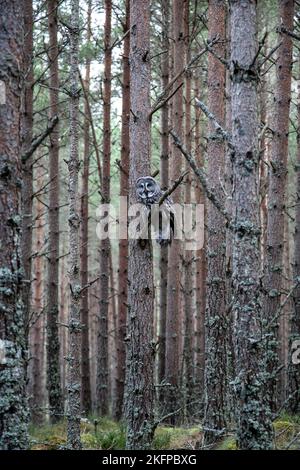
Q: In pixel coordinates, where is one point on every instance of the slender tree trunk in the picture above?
(164, 181)
(85, 347)
(216, 319)
(74, 363)
(123, 244)
(293, 403)
(102, 373)
(188, 254)
(13, 403)
(174, 262)
(36, 342)
(254, 429)
(27, 178)
(139, 395)
(199, 364)
(53, 368)
(277, 195)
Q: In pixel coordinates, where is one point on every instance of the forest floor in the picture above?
(104, 434)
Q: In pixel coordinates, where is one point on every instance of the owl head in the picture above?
(147, 190)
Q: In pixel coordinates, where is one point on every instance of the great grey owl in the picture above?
(161, 217)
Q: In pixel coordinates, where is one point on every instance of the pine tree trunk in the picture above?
(74, 362)
(188, 292)
(85, 347)
(27, 178)
(216, 318)
(13, 403)
(123, 244)
(293, 388)
(164, 177)
(36, 341)
(102, 372)
(277, 194)
(139, 393)
(53, 368)
(172, 397)
(199, 361)
(252, 412)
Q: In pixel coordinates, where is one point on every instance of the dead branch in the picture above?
(36, 141)
(172, 189)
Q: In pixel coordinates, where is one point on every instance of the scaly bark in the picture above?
(254, 430)
(13, 403)
(102, 372)
(139, 393)
(164, 181)
(53, 346)
(74, 324)
(123, 244)
(27, 179)
(277, 195)
(216, 319)
(172, 392)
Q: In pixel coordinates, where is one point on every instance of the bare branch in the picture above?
(224, 134)
(172, 189)
(36, 141)
(201, 176)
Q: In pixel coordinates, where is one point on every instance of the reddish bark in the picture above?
(123, 244)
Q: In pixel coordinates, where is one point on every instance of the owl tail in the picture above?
(166, 229)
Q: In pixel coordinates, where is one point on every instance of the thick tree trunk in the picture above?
(102, 372)
(27, 179)
(86, 403)
(139, 394)
(252, 412)
(172, 392)
(13, 404)
(164, 181)
(216, 318)
(53, 368)
(123, 244)
(74, 324)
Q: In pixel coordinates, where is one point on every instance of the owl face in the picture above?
(147, 190)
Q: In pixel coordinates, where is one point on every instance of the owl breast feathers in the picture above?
(161, 218)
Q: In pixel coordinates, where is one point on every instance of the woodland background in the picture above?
(108, 344)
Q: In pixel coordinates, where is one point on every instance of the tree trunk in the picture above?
(85, 347)
(216, 318)
(139, 394)
(254, 429)
(27, 178)
(188, 291)
(172, 397)
(164, 181)
(277, 194)
(53, 368)
(102, 373)
(36, 341)
(74, 325)
(123, 244)
(199, 361)
(293, 390)
(13, 403)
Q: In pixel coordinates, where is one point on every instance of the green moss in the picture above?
(229, 443)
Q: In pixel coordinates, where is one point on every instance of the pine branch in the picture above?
(201, 176)
(37, 141)
(224, 134)
(173, 187)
